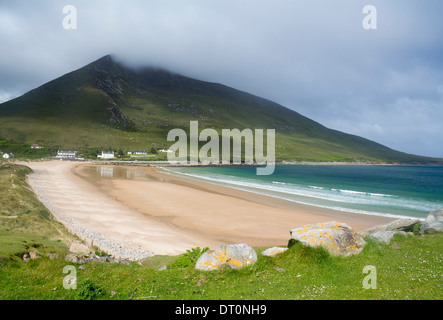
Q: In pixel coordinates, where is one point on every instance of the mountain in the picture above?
(108, 105)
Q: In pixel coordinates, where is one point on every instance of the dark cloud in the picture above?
(312, 56)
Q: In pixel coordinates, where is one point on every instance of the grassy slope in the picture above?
(410, 268)
(23, 150)
(73, 112)
(25, 224)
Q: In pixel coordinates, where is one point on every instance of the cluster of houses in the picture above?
(111, 154)
(71, 155)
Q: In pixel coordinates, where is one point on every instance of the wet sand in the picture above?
(166, 214)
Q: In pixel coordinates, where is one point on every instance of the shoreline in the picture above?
(156, 163)
(164, 170)
(161, 213)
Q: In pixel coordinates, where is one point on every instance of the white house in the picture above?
(165, 150)
(8, 156)
(140, 152)
(66, 154)
(107, 155)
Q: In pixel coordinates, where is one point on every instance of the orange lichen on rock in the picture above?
(337, 238)
(235, 256)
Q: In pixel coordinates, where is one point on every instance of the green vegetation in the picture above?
(89, 291)
(23, 150)
(409, 268)
(189, 258)
(106, 106)
(413, 271)
(25, 224)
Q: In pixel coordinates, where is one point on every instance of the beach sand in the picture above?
(145, 208)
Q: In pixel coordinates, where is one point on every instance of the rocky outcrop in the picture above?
(231, 256)
(396, 225)
(338, 238)
(30, 255)
(433, 222)
(80, 258)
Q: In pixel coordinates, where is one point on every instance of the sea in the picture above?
(385, 190)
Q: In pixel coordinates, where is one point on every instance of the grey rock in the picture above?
(385, 236)
(336, 237)
(433, 222)
(79, 259)
(52, 255)
(71, 258)
(403, 224)
(233, 256)
(30, 255)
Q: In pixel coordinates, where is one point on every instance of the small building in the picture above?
(66, 154)
(35, 146)
(165, 150)
(140, 152)
(8, 156)
(107, 155)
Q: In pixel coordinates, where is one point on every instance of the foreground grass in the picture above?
(409, 268)
(413, 271)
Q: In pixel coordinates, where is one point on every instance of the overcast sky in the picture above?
(313, 56)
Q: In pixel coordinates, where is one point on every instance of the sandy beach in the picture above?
(139, 211)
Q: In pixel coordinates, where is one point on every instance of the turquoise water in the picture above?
(395, 191)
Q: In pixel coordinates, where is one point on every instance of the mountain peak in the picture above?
(104, 60)
(105, 63)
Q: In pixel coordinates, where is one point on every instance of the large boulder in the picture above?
(234, 256)
(433, 222)
(402, 224)
(336, 237)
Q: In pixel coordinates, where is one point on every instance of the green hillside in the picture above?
(107, 105)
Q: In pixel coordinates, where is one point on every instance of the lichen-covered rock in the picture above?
(433, 222)
(271, 252)
(234, 256)
(336, 237)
